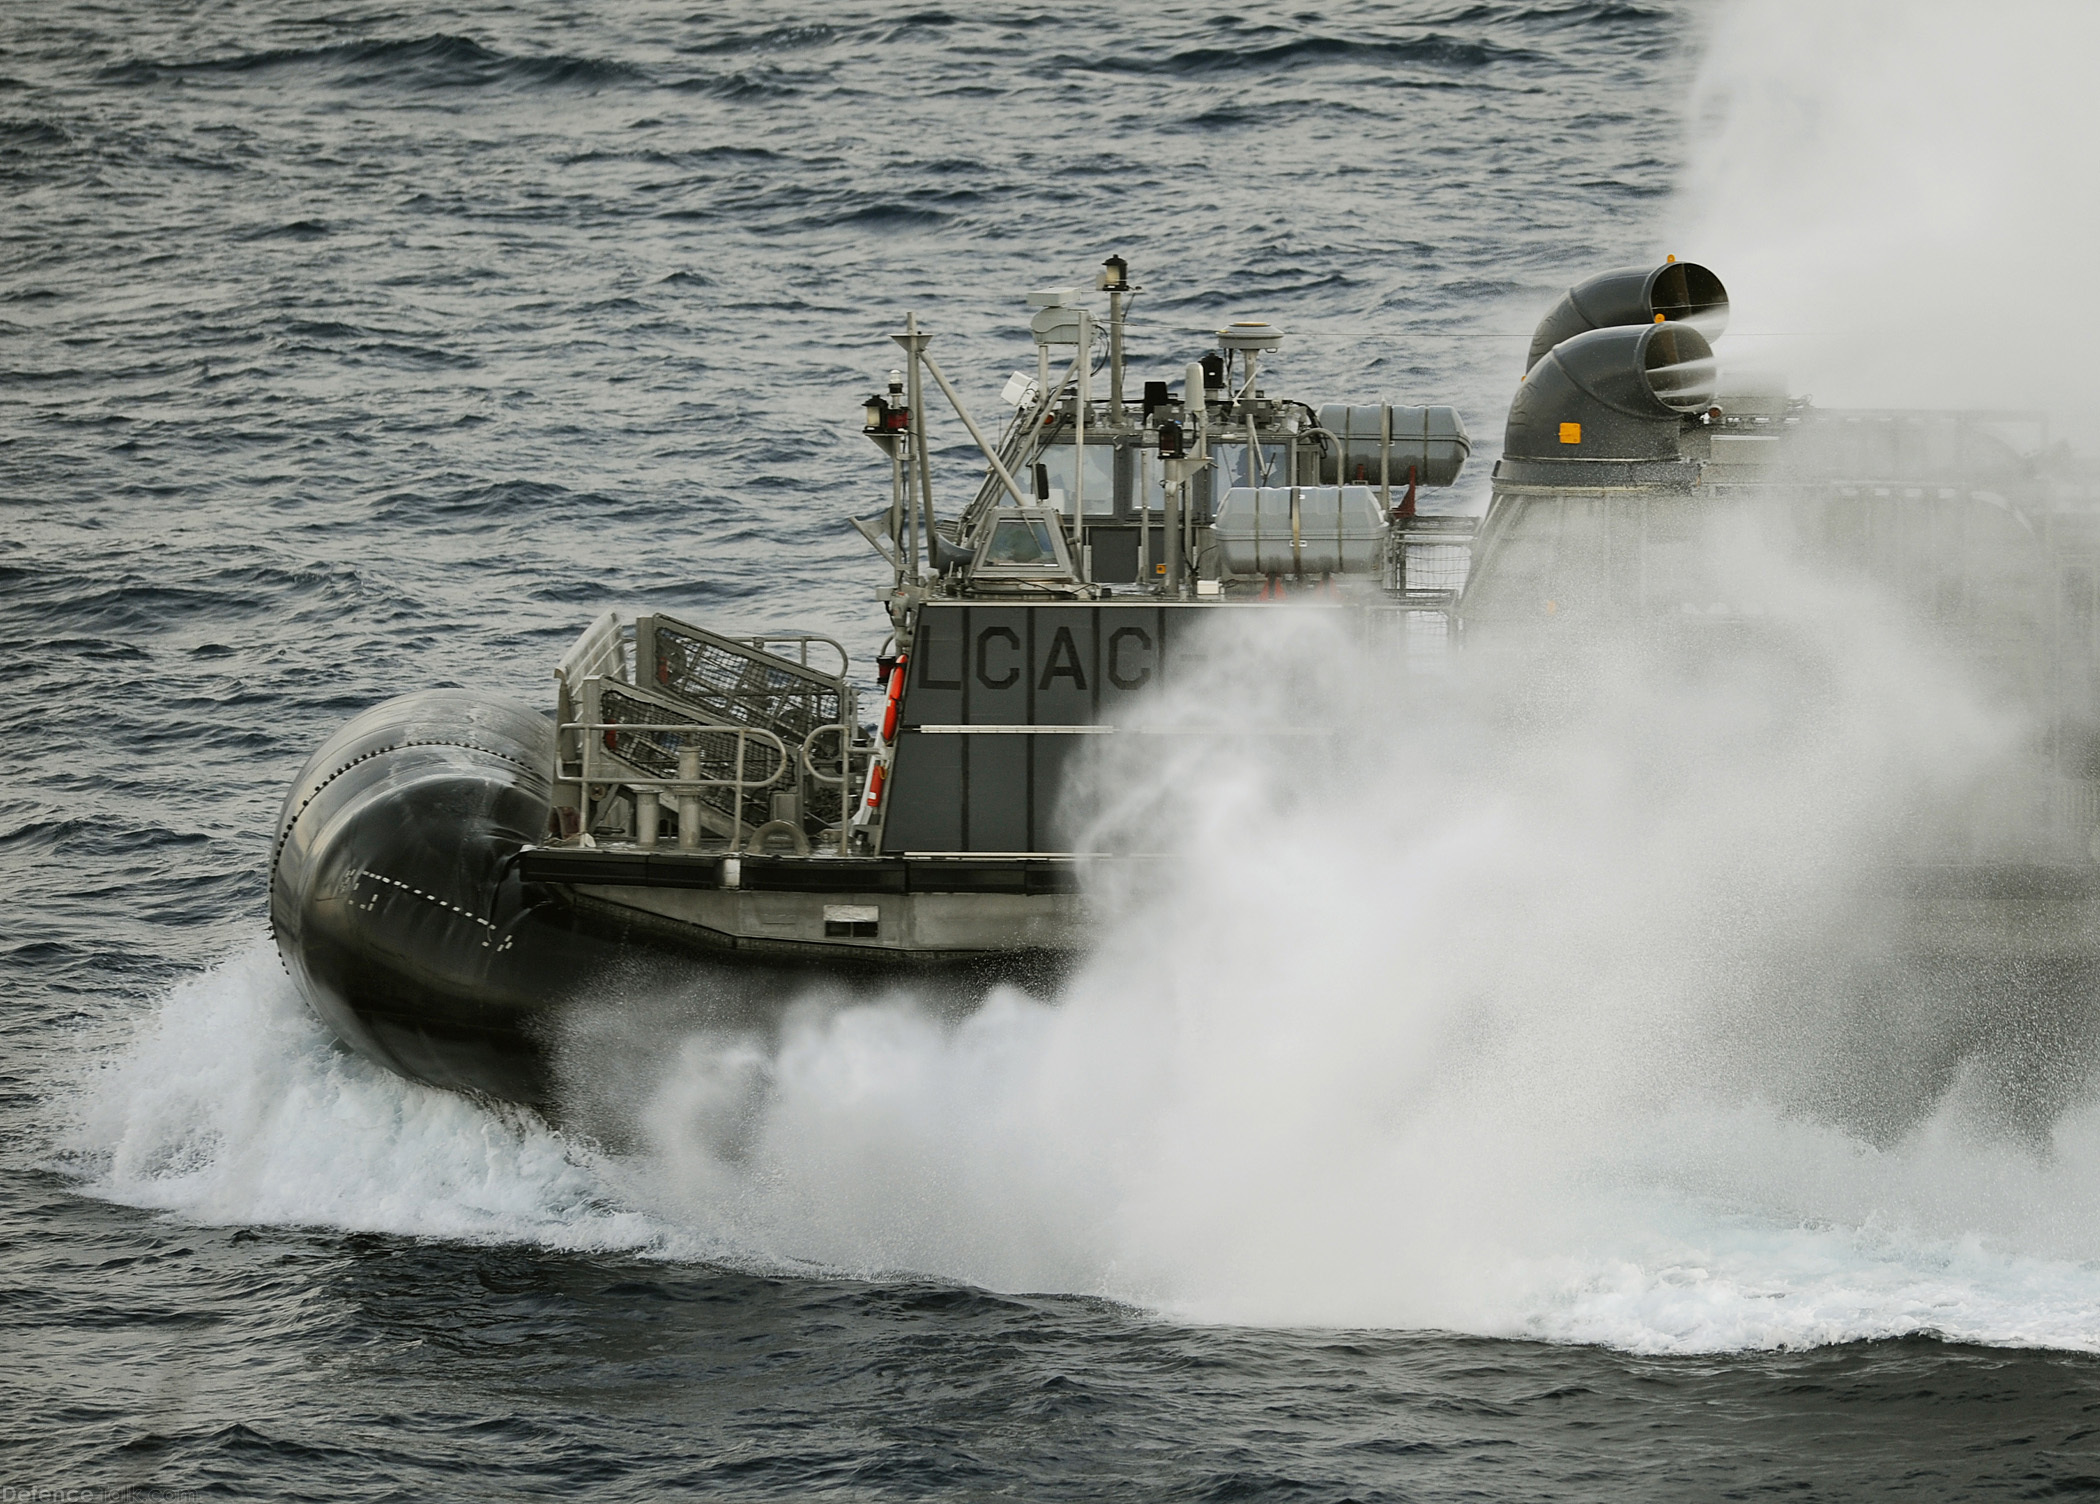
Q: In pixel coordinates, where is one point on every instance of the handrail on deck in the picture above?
(764, 643)
(844, 779)
(594, 748)
(686, 785)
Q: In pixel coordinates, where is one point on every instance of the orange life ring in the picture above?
(894, 701)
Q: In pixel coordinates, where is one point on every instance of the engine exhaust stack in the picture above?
(1677, 292)
(1612, 394)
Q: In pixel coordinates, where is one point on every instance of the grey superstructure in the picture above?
(705, 793)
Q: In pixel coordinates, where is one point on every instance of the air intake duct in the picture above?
(1612, 394)
(1678, 292)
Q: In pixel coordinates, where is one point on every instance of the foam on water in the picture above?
(892, 1143)
(1527, 1027)
(227, 1103)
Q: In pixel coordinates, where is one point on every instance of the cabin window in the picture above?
(1275, 465)
(1100, 478)
(1022, 541)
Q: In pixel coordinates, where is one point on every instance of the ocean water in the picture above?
(351, 349)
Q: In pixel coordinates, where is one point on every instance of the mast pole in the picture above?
(1086, 360)
(1115, 354)
(1144, 516)
(914, 396)
(897, 508)
(911, 512)
(1195, 400)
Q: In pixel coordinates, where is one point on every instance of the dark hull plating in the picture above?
(397, 903)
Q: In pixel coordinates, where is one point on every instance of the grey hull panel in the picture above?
(908, 930)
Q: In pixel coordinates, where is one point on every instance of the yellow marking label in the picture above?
(1571, 433)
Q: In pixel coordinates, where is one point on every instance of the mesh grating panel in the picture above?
(655, 753)
(742, 685)
(1435, 566)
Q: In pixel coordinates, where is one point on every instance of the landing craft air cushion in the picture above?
(454, 869)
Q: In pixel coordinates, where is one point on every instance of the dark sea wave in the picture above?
(347, 350)
(429, 62)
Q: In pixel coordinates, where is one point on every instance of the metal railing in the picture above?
(688, 761)
(843, 781)
(771, 717)
(641, 745)
(647, 743)
(801, 642)
(1427, 558)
